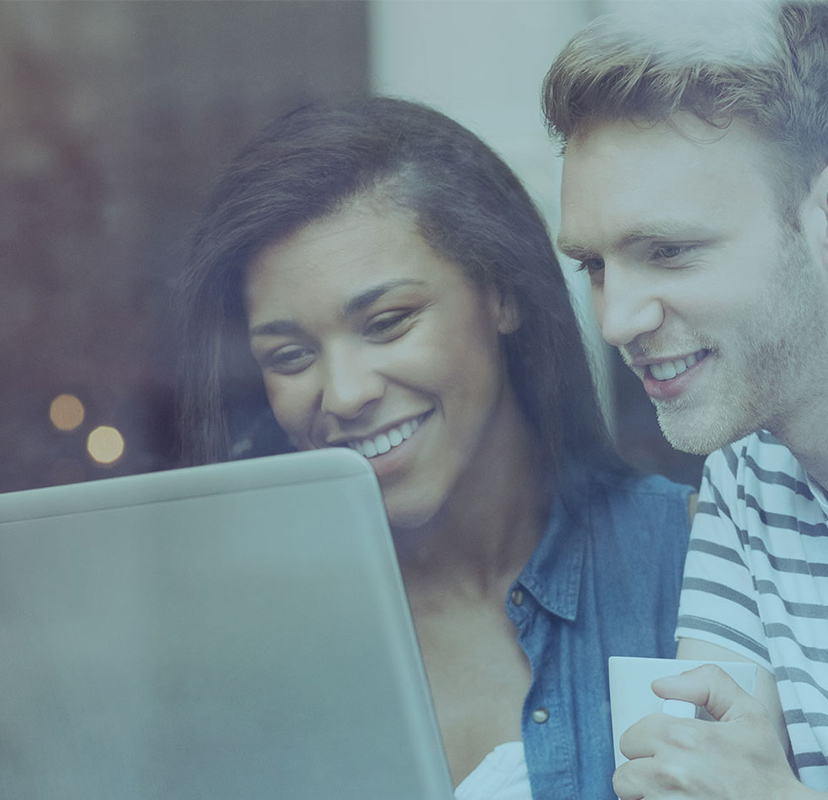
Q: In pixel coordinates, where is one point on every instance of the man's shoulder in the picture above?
(757, 472)
(759, 454)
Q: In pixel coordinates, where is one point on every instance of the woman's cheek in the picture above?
(280, 403)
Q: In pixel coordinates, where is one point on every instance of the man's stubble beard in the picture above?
(757, 381)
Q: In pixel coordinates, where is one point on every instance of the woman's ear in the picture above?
(507, 313)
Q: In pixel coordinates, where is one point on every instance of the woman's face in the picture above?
(368, 339)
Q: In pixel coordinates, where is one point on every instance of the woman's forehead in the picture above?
(341, 258)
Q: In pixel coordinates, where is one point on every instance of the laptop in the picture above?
(234, 631)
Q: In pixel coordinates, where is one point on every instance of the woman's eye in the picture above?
(288, 360)
(389, 325)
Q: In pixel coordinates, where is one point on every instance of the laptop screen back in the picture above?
(231, 631)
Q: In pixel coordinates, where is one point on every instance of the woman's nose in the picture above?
(351, 385)
(625, 306)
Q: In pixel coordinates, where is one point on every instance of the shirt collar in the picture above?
(820, 495)
(553, 572)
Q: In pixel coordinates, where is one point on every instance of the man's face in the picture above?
(714, 301)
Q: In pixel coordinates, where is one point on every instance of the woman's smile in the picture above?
(392, 461)
(378, 444)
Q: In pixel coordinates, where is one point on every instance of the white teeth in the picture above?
(663, 372)
(668, 370)
(386, 441)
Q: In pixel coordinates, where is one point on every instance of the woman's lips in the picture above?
(386, 441)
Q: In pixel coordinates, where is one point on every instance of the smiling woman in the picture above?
(365, 334)
(373, 276)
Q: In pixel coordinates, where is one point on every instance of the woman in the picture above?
(399, 295)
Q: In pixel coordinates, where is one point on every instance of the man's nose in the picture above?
(626, 305)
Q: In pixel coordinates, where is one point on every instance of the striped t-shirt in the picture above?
(756, 582)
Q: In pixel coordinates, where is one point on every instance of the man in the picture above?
(695, 194)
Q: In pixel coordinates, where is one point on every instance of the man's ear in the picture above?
(815, 217)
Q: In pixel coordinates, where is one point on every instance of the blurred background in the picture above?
(116, 117)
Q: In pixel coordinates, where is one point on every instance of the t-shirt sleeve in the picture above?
(718, 598)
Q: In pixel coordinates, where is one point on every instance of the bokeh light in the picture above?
(105, 444)
(66, 412)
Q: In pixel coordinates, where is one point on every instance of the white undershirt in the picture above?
(502, 775)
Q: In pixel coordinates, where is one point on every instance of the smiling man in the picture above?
(695, 195)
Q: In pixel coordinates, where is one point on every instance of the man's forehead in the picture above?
(625, 182)
(624, 149)
(599, 135)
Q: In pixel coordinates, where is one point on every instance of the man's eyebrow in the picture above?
(364, 299)
(573, 250)
(663, 229)
(657, 230)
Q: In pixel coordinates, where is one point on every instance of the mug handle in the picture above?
(679, 708)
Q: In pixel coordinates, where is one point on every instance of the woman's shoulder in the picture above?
(648, 507)
(627, 505)
(637, 487)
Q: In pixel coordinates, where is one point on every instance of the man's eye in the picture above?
(591, 265)
(668, 252)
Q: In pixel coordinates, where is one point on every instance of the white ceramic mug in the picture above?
(632, 698)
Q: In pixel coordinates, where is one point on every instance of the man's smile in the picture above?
(667, 370)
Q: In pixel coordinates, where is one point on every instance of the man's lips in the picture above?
(666, 379)
(667, 369)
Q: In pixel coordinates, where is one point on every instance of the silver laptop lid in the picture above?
(230, 631)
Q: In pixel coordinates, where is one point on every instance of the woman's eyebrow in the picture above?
(286, 327)
(364, 299)
(277, 327)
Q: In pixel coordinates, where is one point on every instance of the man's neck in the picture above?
(806, 436)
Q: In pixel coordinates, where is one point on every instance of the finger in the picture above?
(641, 739)
(711, 687)
(629, 780)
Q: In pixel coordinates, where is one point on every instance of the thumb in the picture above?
(711, 687)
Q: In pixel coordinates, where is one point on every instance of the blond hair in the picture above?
(763, 62)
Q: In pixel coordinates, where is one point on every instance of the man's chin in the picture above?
(699, 437)
(691, 445)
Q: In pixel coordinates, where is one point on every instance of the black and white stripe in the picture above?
(756, 582)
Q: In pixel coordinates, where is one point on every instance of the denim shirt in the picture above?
(604, 581)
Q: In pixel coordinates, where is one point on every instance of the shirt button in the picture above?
(540, 715)
(517, 597)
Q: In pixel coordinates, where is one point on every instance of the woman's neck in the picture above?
(478, 543)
